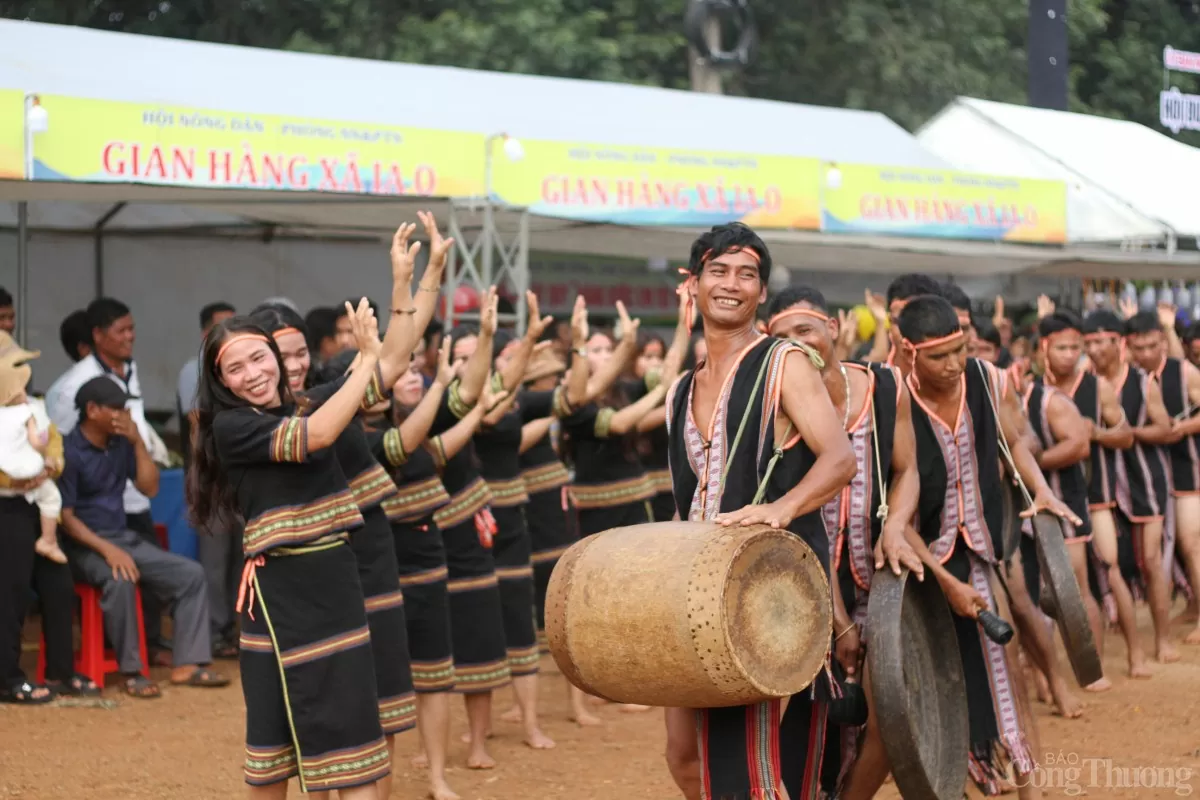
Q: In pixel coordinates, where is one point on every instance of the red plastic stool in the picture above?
(164, 541)
(93, 659)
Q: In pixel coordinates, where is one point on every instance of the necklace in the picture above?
(846, 383)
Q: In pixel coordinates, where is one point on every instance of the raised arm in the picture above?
(475, 373)
(514, 371)
(326, 424)
(653, 421)
(499, 409)
(1116, 433)
(623, 353)
(1072, 437)
(450, 443)
(415, 429)
(1191, 379)
(577, 376)
(807, 406)
(1166, 317)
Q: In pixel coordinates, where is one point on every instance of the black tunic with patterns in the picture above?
(958, 510)
(853, 526)
(420, 557)
(1142, 473)
(748, 751)
(1184, 454)
(548, 513)
(467, 525)
(1102, 488)
(308, 674)
(1068, 483)
(375, 551)
(653, 449)
(499, 450)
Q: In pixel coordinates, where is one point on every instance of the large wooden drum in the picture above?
(689, 614)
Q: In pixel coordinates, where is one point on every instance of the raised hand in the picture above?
(1045, 306)
(579, 322)
(537, 323)
(438, 247)
(629, 327)
(404, 255)
(1166, 315)
(489, 312)
(365, 328)
(445, 372)
(877, 304)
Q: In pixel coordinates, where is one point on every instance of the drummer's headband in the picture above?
(234, 339)
(795, 311)
(279, 334)
(1048, 339)
(1101, 336)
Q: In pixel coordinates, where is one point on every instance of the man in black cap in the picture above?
(102, 452)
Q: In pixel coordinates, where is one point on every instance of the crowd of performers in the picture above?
(400, 532)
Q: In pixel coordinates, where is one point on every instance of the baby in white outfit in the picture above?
(24, 440)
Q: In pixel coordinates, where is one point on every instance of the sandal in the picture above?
(141, 687)
(203, 677)
(23, 694)
(225, 650)
(76, 686)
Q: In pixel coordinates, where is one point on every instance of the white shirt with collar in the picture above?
(60, 405)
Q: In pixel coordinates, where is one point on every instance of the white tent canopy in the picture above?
(1126, 183)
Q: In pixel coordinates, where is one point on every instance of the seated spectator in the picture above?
(103, 452)
(75, 333)
(8, 313)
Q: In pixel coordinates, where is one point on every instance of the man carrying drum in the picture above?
(751, 421)
(865, 522)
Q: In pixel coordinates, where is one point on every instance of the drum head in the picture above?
(1063, 600)
(1009, 508)
(917, 686)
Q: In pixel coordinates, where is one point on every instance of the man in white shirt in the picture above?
(112, 355)
(219, 549)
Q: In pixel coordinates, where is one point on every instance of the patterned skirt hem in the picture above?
(479, 678)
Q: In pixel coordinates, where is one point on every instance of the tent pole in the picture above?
(98, 244)
(520, 272)
(23, 273)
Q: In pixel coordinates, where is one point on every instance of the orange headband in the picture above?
(1101, 336)
(958, 334)
(795, 312)
(238, 337)
(285, 332)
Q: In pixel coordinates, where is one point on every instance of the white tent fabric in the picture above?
(1126, 183)
(81, 62)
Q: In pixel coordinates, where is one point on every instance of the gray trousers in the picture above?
(220, 553)
(177, 581)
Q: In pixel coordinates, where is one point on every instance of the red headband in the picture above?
(795, 312)
(238, 337)
(925, 345)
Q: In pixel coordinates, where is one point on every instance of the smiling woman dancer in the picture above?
(311, 705)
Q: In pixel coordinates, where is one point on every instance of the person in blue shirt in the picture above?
(101, 453)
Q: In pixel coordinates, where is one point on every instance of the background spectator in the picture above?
(75, 333)
(8, 312)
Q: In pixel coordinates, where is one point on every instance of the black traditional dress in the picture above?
(548, 512)
(853, 525)
(420, 558)
(653, 449)
(1102, 486)
(748, 751)
(499, 451)
(1184, 454)
(308, 674)
(959, 516)
(468, 528)
(611, 488)
(1143, 471)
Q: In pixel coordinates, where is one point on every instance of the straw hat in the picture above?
(14, 371)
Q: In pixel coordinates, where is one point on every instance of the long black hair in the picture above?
(209, 495)
(273, 317)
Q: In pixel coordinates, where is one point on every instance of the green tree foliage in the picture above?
(906, 58)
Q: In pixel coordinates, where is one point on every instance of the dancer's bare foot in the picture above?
(538, 740)
(597, 701)
(466, 737)
(512, 715)
(1102, 685)
(440, 790)
(583, 719)
(1189, 616)
(1066, 704)
(420, 761)
(631, 708)
(478, 758)
(1193, 637)
(1166, 654)
(1139, 670)
(48, 548)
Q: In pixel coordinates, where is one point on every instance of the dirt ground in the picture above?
(189, 745)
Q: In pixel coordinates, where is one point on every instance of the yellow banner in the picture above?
(941, 204)
(98, 140)
(657, 186)
(12, 134)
